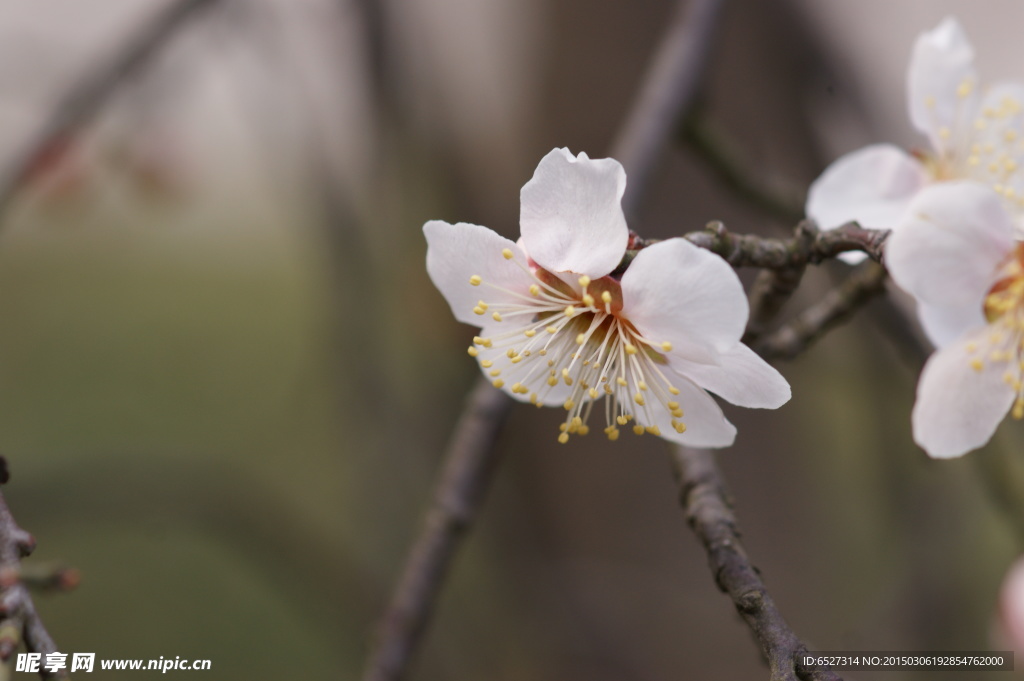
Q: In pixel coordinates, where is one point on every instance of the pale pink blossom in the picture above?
(562, 326)
(956, 254)
(974, 132)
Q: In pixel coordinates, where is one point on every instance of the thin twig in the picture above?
(721, 157)
(710, 515)
(88, 95)
(468, 465)
(790, 340)
(667, 94)
(19, 620)
(809, 246)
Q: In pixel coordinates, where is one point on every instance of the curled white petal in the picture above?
(948, 249)
(677, 292)
(741, 377)
(942, 62)
(959, 402)
(571, 214)
(455, 253)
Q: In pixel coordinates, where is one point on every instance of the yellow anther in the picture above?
(482, 304)
(563, 438)
(964, 89)
(581, 338)
(529, 333)
(593, 393)
(486, 364)
(533, 398)
(642, 385)
(977, 365)
(630, 349)
(475, 280)
(622, 420)
(479, 310)
(570, 311)
(638, 429)
(678, 413)
(1009, 165)
(673, 405)
(565, 373)
(1018, 409)
(608, 389)
(584, 281)
(613, 434)
(654, 430)
(606, 296)
(583, 430)
(473, 352)
(588, 300)
(511, 352)
(496, 316)
(639, 399)
(679, 426)
(563, 427)
(507, 253)
(576, 422)
(498, 383)
(973, 161)
(495, 372)
(534, 290)
(972, 346)
(552, 381)
(517, 359)
(666, 347)
(673, 390)
(621, 381)
(552, 329)
(569, 404)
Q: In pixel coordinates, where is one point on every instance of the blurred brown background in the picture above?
(225, 379)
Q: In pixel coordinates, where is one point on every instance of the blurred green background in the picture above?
(225, 379)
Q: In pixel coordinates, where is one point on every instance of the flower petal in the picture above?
(677, 292)
(941, 62)
(457, 252)
(959, 407)
(571, 214)
(742, 378)
(947, 251)
(873, 186)
(943, 324)
(706, 426)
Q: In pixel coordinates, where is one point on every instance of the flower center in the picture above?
(1004, 310)
(572, 342)
(984, 143)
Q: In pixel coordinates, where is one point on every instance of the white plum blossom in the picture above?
(974, 132)
(563, 326)
(957, 255)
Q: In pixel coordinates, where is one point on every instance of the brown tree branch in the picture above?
(710, 515)
(465, 477)
(668, 92)
(790, 340)
(87, 96)
(19, 620)
(808, 246)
